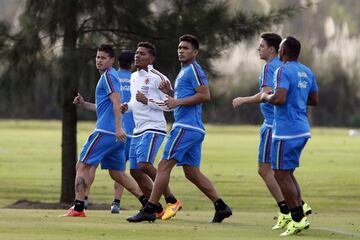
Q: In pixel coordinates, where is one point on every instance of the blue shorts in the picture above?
(103, 148)
(184, 145)
(285, 154)
(265, 145)
(143, 149)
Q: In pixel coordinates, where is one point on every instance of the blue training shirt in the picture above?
(190, 77)
(107, 84)
(290, 118)
(128, 118)
(266, 80)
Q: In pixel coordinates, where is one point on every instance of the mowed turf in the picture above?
(30, 166)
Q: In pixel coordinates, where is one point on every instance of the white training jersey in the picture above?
(150, 117)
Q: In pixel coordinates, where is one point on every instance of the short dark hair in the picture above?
(149, 46)
(108, 49)
(292, 46)
(126, 58)
(272, 40)
(191, 39)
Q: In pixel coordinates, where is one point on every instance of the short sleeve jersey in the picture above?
(290, 118)
(128, 118)
(107, 84)
(266, 80)
(190, 77)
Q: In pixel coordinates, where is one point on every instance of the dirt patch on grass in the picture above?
(27, 204)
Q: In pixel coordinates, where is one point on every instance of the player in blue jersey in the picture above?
(183, 147)
(126, 60)
(295, 87)
(106, 144)
(268, 51)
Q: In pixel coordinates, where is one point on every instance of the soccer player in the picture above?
(183, 147)
(295, 87)
(106, 144)
(268, 51)
(126, 63)
(148, 106)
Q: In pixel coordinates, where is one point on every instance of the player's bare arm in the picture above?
(202, 95)
(165, 87)
(140, 97)
(254, 99)
(313, 99)
(80, 102)
(116, 101)
(277, 98)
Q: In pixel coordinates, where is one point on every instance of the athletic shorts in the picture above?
(143, 149)
(127, 148)
(104, 149)
(184, 145)
(265, 145)
(285, 154)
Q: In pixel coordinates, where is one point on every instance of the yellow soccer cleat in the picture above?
(282, 221)
(172, 209)
(307, 209)
(296, 227)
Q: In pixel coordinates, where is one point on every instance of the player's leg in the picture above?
(91, 154)
(92, 172)
(118, 191)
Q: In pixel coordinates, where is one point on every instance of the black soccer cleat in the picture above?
(220, 215)
(142, 216)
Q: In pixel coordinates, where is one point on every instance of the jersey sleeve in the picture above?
(314, 86)
(281, 79)
(158, 103)
(111, 83)
(197, 76)
(266, 79)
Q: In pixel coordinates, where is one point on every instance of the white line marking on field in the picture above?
(337, 231)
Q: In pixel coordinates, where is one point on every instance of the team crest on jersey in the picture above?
(181, 74)
(147, 81)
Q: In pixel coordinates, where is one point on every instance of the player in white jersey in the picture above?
(148, 105)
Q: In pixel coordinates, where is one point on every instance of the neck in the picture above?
(187, 62)
(289, 59)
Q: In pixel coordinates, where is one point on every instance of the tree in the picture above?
(78, 26)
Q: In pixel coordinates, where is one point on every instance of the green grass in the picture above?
(30, 167)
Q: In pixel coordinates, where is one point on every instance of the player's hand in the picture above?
(140, 97)
(124, 107)
(165, 87)
(79, 100)
(264, 96)
(237, 102)
(120, 135)
(171, 102)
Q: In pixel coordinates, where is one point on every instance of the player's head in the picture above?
(105, 57)
(290, 49)
(188, 48)
(126, 59)
(269, 45)
(144, 55)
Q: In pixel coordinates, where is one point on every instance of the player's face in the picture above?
(186, 52)
(264, 50)
(103, 60)
(143, 58)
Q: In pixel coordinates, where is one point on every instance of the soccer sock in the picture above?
(86, 202)
(219, 204)
(116, 200)
(79, 205)
(159, 208)
(150, 208)
(143, 200)
(297, 214)
(283, 207)
(302, 202)
(171, 199)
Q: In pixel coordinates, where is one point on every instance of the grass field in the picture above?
(329, 176)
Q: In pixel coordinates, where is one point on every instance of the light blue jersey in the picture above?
(266, 80)
(107, 84)
(190, 77)
(128, 118)
(290, 118)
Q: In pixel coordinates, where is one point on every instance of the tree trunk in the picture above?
(69, 87)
